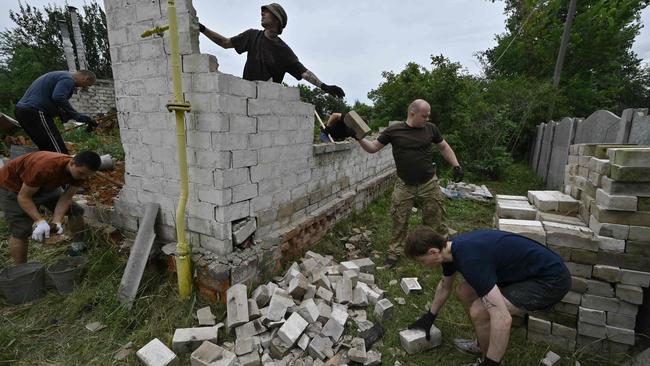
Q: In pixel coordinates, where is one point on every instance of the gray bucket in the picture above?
(23, 283)
(66, 273)
(18, 150)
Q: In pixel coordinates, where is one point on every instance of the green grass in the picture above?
(52, 330)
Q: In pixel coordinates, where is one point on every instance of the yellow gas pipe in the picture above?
(179, 106)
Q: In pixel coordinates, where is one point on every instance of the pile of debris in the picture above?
(467, 191)
(297, 319)
(608, 190)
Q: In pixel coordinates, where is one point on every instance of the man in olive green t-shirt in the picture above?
(416, 172)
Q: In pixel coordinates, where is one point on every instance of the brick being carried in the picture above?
(531, 229)
(554, 201)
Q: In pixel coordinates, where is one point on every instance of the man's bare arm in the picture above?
(500, 321)
(63, 204)
(371, 146)
(312, 78)
(443, 291)
(448, 153)
(26, 202)
(217, 38)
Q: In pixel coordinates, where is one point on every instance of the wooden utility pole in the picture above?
(566, 35)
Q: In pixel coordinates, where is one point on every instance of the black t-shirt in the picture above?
(339, 131)
(266, 58)
(412, 150)
(493, 257)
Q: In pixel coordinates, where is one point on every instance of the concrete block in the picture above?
(621, 320)
(513, 209)
(243, 230)
(237, 306)
(205, 316)
(357, 352)
(250, 359)
(349, 266)
(640, 248)
(610, 244)
(298, 287)
(324, 312)
(309, 310)
(319, 278)
(629, 156)
(359, 298)
(310, 293)
(410, 284)
(155, 353)
(607, 273)
(591, 316)
(564, 331)
(629, 293)
(278, 348)
(511, 197)
(572, 298)
(371, 294)
(253, 310)
(325, 294)
(557, 217)
(344, 290)
(250, 329)
(569, 236)
(383, 309)
(608, 304)
(292, 329)
(320, 348)
(353, 121)
(566, 308)
(553, 201)
(551, 359)
(637, 278)
(414, 340)
(599, 288)
(579, 270)
(591, 330)
(615, 231)
(539, 325)
(620, 335)
(366, 278)
(353, 276)
(244, 346)
(366, 265)
(261, 295)
(188, 339)
(600, 166)
(278, 305)
(639, 233)
(625, 188)
(578, 284)
(616, 202)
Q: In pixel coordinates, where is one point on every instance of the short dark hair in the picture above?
(88, 159)
(421, 240)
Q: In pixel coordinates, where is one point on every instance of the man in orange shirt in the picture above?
(36, 179)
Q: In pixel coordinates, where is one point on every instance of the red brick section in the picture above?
(210, 287)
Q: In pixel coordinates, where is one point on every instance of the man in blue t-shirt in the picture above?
(268, 57)
(505, 274)
(47, 97)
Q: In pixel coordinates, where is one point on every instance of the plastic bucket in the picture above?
(66, 273)
(18, 150)
(23, 283)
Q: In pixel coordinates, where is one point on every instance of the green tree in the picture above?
(600, 67)
(34, 47)
(324, 104)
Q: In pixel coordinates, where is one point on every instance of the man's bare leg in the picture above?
(481, 320)
(18, 249)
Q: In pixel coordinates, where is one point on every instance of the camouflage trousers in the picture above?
(428, 197)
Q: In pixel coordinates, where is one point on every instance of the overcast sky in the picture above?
(349, 43)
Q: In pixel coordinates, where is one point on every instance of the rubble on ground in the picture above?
(301, 318)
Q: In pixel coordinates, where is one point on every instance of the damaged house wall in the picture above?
(252, 163)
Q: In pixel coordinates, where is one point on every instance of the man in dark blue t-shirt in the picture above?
(505, 274)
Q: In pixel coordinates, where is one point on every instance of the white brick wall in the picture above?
(249, 144)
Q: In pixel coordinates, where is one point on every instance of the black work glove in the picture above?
(488, 362)
(90, 123)
(458, 174)
(333, 90)
(425, 322)
(201, 28)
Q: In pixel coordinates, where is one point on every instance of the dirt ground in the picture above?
(100, 190)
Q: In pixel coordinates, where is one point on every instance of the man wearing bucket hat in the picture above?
(36, 179)
(269, 58)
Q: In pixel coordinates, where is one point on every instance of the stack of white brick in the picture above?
(99, 98)
(608, 260)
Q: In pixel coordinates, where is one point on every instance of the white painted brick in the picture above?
(229, 141)
(232, 212)
(243, 124)
(615, 202)
(244, 158)
(231, 177)
(155, 353)
(244, 192)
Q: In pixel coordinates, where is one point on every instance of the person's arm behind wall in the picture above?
(215, 37)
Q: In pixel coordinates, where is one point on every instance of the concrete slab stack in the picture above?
(606, 247)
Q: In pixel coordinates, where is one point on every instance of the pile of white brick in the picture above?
(609, 261)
